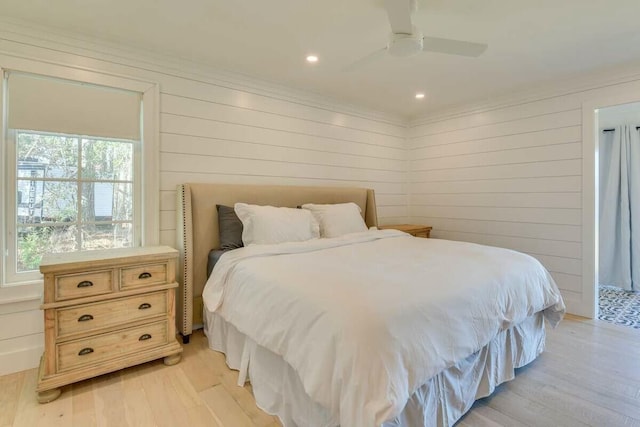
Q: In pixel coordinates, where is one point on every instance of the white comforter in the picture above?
(367, 318)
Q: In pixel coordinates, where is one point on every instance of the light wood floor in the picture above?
(588, 375)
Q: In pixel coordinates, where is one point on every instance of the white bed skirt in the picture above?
(440, 402)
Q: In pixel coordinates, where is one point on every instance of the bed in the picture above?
(342, 331)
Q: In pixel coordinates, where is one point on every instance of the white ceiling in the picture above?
(529, 42)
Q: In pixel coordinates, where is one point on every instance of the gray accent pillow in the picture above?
(230, 228)
(214, 256)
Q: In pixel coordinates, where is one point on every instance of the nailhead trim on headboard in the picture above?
(185, 294)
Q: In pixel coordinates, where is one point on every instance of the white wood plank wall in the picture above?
(204, 140)
(508, 176)
(21, 336)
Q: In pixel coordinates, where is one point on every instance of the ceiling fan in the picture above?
(407, 40)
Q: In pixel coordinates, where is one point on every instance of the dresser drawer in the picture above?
(83, 284)
(143, 275)
(90, 317)
(424, 234)
(415, 230)
(88, 351)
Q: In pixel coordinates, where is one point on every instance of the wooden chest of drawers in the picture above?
(104, 311)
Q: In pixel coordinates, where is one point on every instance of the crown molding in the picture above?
(579, 82)
(74, 43)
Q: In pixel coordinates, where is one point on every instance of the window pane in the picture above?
(106, 236)
(50, 156)
(33, 242)
(46, 201)
(106, 201)
(110, 160)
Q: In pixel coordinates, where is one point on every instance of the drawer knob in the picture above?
(85, 284)
(144, 337)
(144, 306)
(85, 351)
(85, 318)
(144, 275)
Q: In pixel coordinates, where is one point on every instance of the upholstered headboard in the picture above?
(197, 228)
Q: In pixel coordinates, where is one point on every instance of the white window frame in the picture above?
(149, 208)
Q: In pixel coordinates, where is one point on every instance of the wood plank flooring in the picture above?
(589, 375)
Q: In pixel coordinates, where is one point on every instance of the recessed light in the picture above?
(312, 58)
(419, 95)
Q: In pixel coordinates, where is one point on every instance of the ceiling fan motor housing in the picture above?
(404, 45)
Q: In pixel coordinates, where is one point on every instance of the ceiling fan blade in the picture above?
(399, 12)
(359, 63)
(453, 47)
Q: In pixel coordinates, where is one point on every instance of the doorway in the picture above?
(618, 214)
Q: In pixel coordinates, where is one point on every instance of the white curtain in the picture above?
(620, 208)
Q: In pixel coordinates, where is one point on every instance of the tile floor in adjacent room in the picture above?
(619, 306)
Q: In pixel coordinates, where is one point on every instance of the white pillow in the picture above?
(336, 220)
(268, 224)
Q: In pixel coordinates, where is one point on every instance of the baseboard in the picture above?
(20, 360)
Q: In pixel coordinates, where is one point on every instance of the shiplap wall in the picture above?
(21, 336)
(220, 130)
(509, 177)
(204, 140)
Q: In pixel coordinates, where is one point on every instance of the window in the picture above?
(72, 193)
(74, 167)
